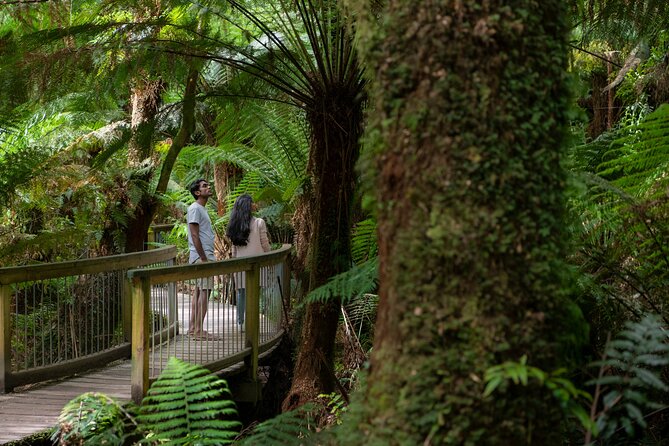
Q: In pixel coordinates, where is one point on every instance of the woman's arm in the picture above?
(264, 240)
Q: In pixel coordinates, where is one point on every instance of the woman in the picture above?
(249, 237)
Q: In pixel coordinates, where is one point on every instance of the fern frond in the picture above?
(188, 404)
(363, 241)
(287, 429)
(638, 159)
(363, 309)
(623, 21)
(634, 384)
(358, 280)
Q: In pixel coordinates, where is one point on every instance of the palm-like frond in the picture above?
(302, 49)
(187, 404)
(626, 20)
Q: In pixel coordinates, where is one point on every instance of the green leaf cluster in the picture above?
(93, 418)
(564, 392)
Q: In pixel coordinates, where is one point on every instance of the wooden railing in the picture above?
(162, 309)
(62, 318)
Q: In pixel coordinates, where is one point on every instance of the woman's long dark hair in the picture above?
(239, 227)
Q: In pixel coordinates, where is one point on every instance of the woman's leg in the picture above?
(241, 305)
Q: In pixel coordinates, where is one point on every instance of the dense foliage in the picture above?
(517, 187)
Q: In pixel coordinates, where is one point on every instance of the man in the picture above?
(201, 243)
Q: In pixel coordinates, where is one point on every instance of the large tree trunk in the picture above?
(336, 126)
(469, 115)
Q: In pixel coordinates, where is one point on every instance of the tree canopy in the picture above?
(476, 192)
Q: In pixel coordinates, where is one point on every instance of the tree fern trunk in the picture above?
(139, 222)
(145, 101)
(336, 126)
(467, 131)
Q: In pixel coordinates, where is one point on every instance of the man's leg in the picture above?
(192, 319)
(202, 307)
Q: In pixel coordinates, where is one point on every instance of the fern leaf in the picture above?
(187, 403)
(634, 384)
(287, 429)
(360, 279)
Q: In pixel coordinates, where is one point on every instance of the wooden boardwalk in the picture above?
(36, 408)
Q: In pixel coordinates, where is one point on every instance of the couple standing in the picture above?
(248, 235)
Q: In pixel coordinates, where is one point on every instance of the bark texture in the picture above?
(336, 126)
(145, 100)
(138, 224)
(466, 136)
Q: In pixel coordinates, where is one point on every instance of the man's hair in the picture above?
(195, 186)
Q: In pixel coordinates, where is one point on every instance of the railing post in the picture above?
(172, 312)
(5, 337)
(126, 306)
(253, 318)
(139, 376)
(285, 285)
(150, 239)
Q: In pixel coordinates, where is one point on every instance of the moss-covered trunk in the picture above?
(336, 127)
(467, 130)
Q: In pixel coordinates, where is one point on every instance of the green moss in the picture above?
(467, 134)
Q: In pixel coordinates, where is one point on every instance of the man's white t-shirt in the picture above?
(198, 214)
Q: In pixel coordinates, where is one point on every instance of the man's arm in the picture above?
(195, 235)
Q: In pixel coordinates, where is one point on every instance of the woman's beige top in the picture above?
(257, 244)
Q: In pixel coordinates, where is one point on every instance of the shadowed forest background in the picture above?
(476, 194)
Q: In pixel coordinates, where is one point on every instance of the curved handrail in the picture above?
(134, 294)
(14, 274)
(186, 272)
(158, 291)
(57, 289)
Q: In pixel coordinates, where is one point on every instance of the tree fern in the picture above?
(630, 382)
(188, 405)
(623, 234)
(624, 20)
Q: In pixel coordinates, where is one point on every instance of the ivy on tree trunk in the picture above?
(466, 137)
